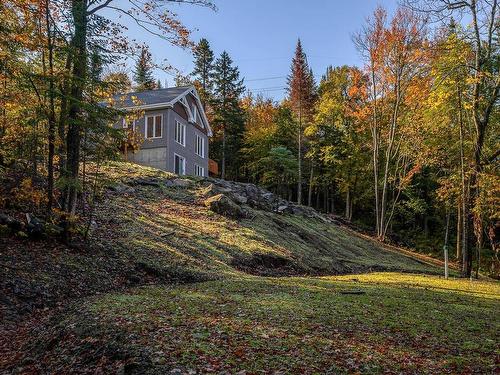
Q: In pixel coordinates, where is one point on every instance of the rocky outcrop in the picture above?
(246, 194)
(233, 198)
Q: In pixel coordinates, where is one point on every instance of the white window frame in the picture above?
(199, 170)
(183, 127)
(146, 135)
(195, 113)
(125, 125)
(199, 139)
(183, 164)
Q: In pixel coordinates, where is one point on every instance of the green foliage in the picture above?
(278, 169)
(143, 73)
(204, 70)
(228, 116)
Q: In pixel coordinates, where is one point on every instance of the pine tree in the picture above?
(143, 73)
(203, 70)
(301, 96)
(228, 114)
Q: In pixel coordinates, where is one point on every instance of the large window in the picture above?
(154, 126)
(199, 147)
(180, 133)
(179, 165)
(199, 171)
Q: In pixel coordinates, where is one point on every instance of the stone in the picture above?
(122, 189)
(5, 231)
(14, 224)
(238, 198)
(282, 209)
(223, 205)
(182, 182)
(35, 227)
(146, 182)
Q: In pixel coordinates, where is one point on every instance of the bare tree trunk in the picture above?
(465, 213)
(459, 230)
(299, 177)
(388, 155)
(51, 115)
(375, 142)
(445, 247)
(348, 204)
(223, 167)
(309, 194)
(79, 74)
(325, 199)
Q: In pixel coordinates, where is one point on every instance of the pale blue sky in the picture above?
(260, 36)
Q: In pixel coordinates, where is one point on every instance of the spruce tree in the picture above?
(301, 97)
(143, 73)
(203, 70)
(228, 114)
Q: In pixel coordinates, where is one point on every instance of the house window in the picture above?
(154, 126)
(199, 146)
(179, 165)
(128, 124)
(195, 113)
(180, 133)
(199, 171)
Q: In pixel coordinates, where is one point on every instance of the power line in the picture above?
(264, 79)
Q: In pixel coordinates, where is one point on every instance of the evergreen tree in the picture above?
(203, 70)
(228, 114)
(301, 96)
(143, 73)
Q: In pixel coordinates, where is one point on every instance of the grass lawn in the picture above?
(399, 323)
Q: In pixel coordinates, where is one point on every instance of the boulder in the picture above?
(238, 198)
(182, 182)
(122, 189)
(14, 224)
(223, 205)
(35, 226)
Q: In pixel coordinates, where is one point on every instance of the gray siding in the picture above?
(159, 152)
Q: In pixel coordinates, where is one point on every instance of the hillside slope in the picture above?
(115, 304)
(147, 229)
(169, 229)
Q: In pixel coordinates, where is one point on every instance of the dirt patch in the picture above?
(267, 265)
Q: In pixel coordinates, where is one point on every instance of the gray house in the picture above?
(173, 126)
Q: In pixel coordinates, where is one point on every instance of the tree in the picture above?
(228, 114)
(143, 73)
(277, 169)
(336, 137)
(118, 82)
(203, 70)
(301, 97)
(483, 89)
(395, 58)
(51, 56)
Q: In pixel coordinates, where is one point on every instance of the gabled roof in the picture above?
(162, 98)
(149, 97)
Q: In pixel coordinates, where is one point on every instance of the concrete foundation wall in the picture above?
(151, 157)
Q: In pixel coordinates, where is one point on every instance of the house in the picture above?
(174, 129)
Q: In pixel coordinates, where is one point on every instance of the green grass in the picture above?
(403, 323)
(235, 318)
(214, 246)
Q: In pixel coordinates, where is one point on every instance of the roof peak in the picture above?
(156, 90)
